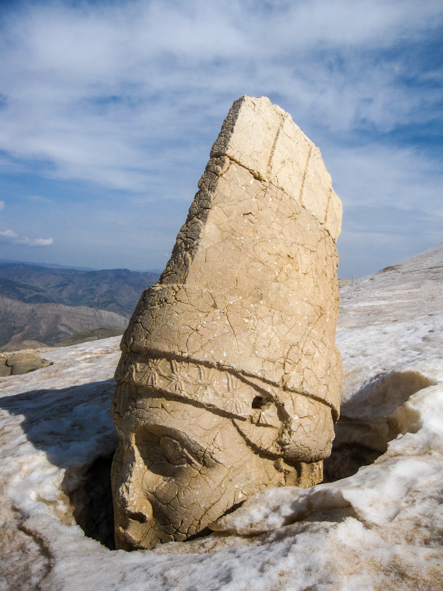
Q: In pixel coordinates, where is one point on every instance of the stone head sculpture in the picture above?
(230, 380)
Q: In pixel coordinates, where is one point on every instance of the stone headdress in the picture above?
(243, 319)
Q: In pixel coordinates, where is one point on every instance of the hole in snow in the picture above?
(366, 425)
(346, 459)
(91, 501)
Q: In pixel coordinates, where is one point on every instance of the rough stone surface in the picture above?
(21, 345)
(379, 528)
(229, 380)
(21, 363)
(5, 370)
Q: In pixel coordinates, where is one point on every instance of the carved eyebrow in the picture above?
(157, 427)
(189, 443)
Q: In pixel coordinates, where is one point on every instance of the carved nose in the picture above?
(139, 510)
(133, 504)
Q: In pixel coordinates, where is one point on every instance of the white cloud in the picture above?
(39, 241)
(11, 237)
(384, 176)
(2, 205)
(38, 199)
(97, 92)
(131, 95)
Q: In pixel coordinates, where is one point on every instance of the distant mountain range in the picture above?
(49, 265)
(48, 304)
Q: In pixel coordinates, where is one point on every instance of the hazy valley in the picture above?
(50, 304)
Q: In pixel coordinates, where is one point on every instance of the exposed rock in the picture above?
(89, 335)
(229, 380)
(50, 323)
(21, 345)
(5, 370)
(114, 290)
(21, 363)
(48, 305)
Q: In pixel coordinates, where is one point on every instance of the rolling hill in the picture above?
(50, 304)
(115, 290)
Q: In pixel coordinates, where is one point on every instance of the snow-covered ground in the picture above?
(379, 528)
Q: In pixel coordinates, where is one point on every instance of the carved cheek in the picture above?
(202, 488)
(188, 501)
(162, 481)
(158, 489)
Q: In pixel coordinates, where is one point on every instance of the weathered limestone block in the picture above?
(230, 380)
(21, 363)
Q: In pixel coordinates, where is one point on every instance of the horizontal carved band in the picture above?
(209, 386)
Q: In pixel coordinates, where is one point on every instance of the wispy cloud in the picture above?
(130, 96)
(38, 199)
(11, 237)
(8, 237)
(92, 91)
(38, 241)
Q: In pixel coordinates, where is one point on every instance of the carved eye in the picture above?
(174, 452)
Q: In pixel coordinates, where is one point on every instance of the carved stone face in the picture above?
(229, 379)
(177, 469)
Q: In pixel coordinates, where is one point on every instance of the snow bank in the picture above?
(377, 528)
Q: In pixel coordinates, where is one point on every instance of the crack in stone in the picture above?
(239, 314)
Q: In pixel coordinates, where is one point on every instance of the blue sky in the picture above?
(108, 111)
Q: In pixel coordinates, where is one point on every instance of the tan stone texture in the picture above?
(20, 363)
(230, 380)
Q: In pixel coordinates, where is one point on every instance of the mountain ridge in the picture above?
(49, 323)
(114, 290)
(48, 305)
